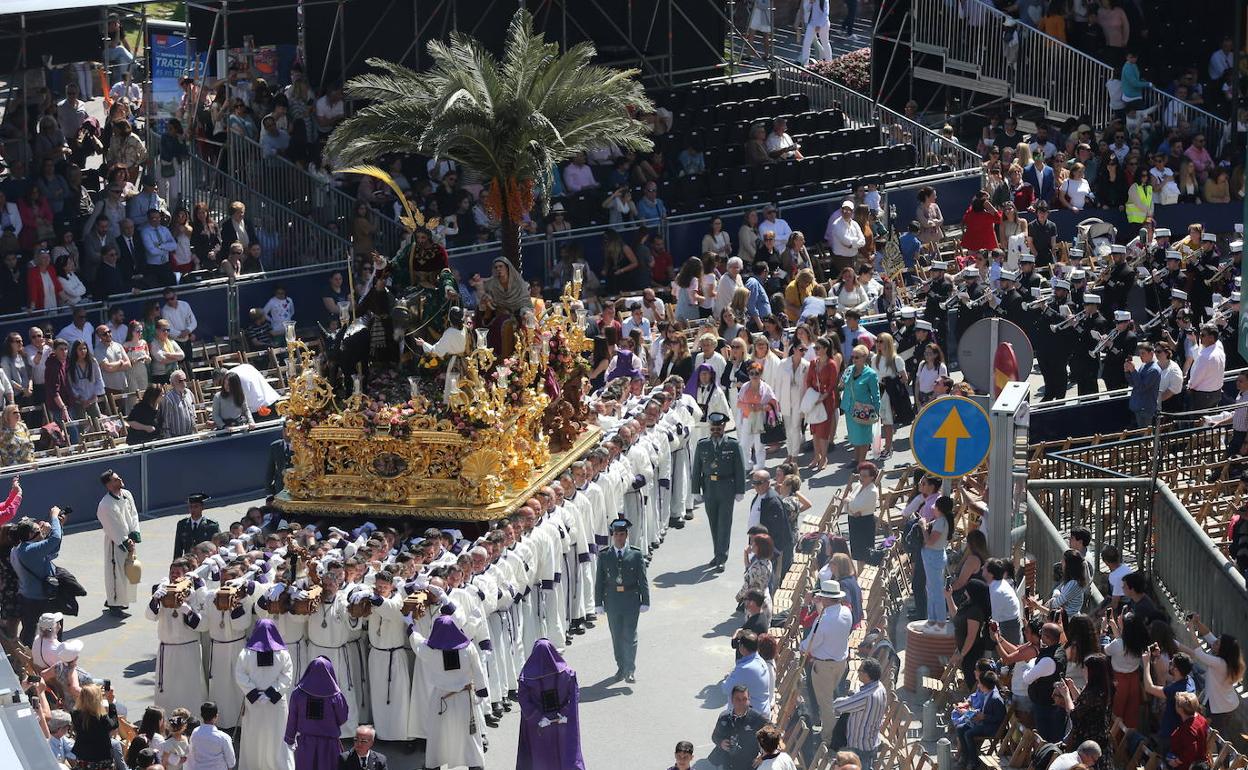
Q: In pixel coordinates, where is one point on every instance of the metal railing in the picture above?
(315, 197)
(1115, 510)
(1168, 110)
(287, 237)
(860, 110)
(1194, 571)
(1046, 544)
(1042, 71)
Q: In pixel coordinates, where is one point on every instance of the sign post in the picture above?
(951, 436)
(1007, 466)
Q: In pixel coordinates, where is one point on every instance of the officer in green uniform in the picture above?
(622, 592)
(718, 474)
(194, 529)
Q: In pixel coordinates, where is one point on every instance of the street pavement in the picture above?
(682, 659)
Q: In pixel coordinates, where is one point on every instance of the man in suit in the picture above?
(718, 474)
(93, 247)
(767, 510)
(622, 592)
(279, 461)
(362, 756)
(195, 528)
(130, 252)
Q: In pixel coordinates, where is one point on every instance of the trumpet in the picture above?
(1036, 304)
(1105, 342)
(1068, 322)
(951, 303)
(1157, 319)
(981, 299)
(1221, 271)
(1157, 276)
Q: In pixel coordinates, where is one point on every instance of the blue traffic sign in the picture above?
(951, 436)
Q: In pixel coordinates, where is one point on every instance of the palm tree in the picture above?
(509, 119)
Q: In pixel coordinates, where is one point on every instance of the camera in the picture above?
(108, 685)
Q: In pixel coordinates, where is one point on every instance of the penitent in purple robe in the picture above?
(317, 711)
(548, 691)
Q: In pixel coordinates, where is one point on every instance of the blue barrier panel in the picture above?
(1084, 419)
(223, 468)
(228, 467)
(1216, 217)
(75, 484)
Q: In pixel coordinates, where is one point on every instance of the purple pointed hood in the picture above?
(446, 635)
(691, 387)
(265, 637)
(319, 680)
(543, 661)
(625, 365)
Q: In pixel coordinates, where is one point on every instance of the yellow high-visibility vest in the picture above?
(1137, 214)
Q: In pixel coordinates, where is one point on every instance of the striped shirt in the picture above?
(177, 413)
(866, 714)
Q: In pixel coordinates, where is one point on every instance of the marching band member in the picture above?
(1087, 332)
(1053, 350)
(1119, 351)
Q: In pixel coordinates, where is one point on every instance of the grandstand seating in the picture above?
(718, 118)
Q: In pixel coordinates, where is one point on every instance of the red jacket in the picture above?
(1190, 742)
(980, 229)
(34, 288)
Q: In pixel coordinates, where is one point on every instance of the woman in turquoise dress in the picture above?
(860, 402)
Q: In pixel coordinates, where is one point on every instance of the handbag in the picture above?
(864, 414)
(812, 406)
(898, 400)
(773, 430)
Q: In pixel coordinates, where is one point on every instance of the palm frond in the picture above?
(509, 117)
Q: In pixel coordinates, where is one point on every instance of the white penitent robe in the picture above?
(261, 746)
(179, 673)
(227, 634)
(118, 517)
(327, 635)
(389, 676)
(418, 703)
(455, 720)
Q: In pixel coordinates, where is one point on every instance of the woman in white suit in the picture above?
(790, 386)
(813, 15)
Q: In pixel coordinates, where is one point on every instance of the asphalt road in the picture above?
(683, 656)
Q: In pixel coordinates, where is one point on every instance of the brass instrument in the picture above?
(308, 605)
(1157, 319)
(982, 298)
(1220, 273)
(1105, 342)
(1103, 278)
(1036, 304)
(1157, 276)
(176, 593)
(418, 604)
(1068, 322)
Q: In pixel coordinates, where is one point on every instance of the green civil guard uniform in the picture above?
(718, 474)
(621, 588)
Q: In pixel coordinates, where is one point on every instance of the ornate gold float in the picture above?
(474, 455)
